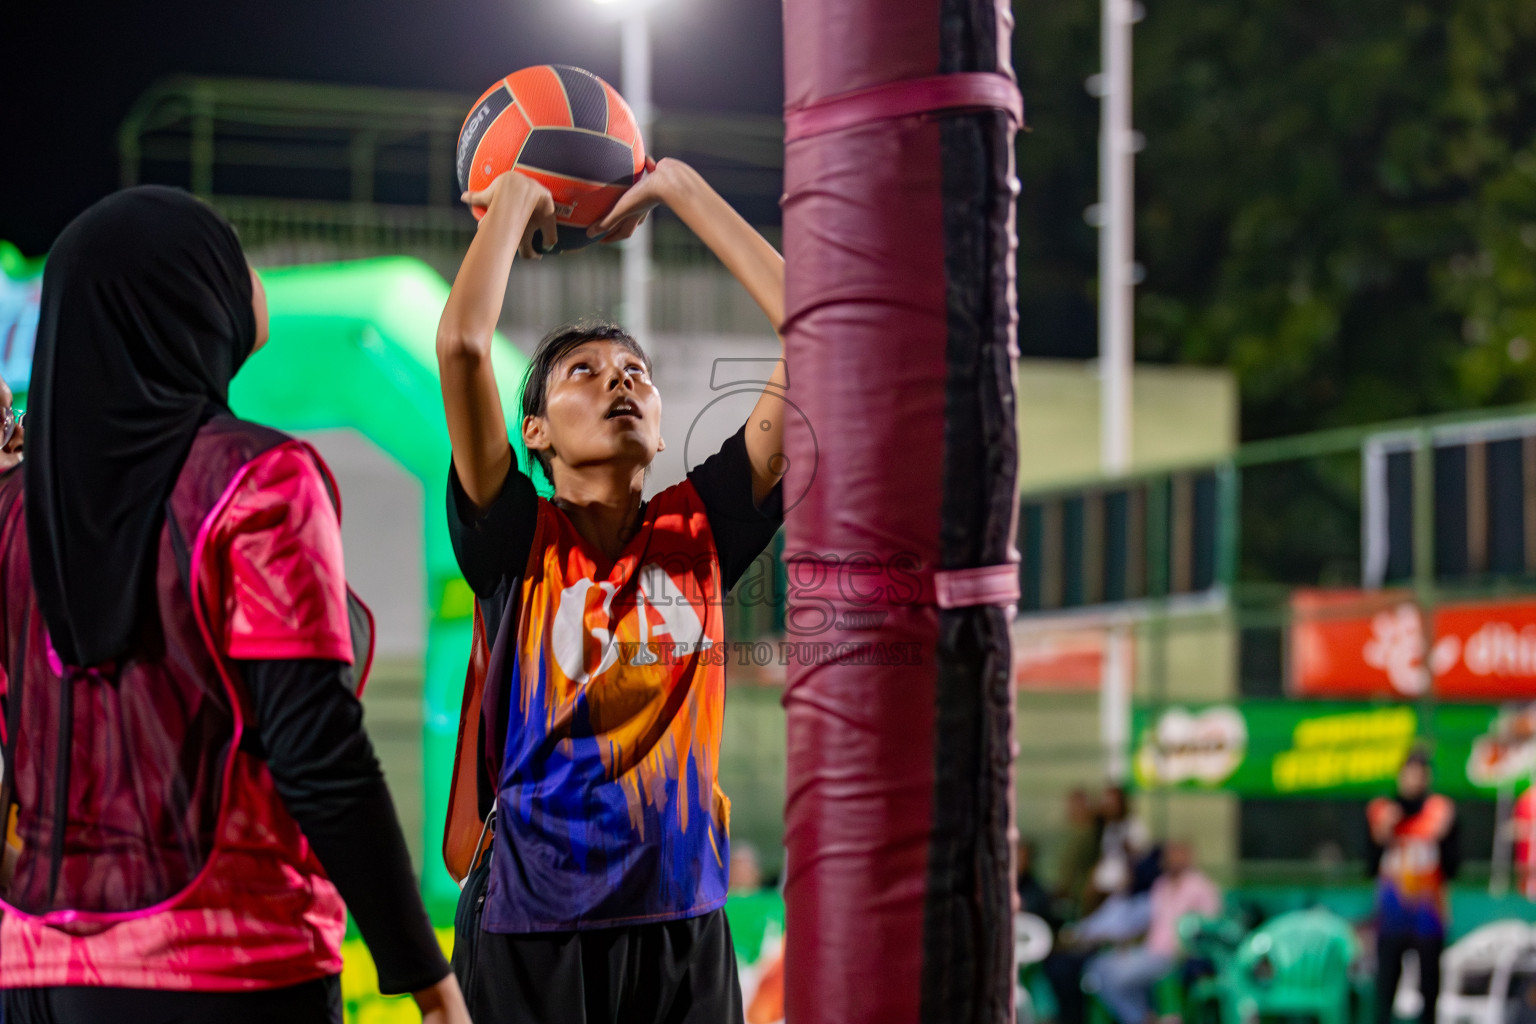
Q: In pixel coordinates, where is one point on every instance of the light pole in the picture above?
(1118, 144)
(635, 85)
(1117, 148)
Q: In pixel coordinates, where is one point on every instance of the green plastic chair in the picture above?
(1296, 965)
(1216, 941)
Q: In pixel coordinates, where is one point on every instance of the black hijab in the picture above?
(145, 316)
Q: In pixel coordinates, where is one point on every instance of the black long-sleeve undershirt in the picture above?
(309, 728)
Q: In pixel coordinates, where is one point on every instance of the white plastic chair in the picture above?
(1475, 973)
(1031, 943)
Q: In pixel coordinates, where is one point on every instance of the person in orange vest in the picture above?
(1523, 821)
(1413, 852)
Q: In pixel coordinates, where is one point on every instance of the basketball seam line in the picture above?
(602, 87)
(584, 131)
(572, 177)
(475, 156)
(526, 135)
(570, 112)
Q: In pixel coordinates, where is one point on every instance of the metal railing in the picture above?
(316, 173)
(1434, 513)
(1256, 555)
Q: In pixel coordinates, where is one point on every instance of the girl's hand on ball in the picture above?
(651, 191)
(541, 232)
(524, 197)
(480, 201)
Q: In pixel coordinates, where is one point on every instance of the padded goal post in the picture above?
(902, 504)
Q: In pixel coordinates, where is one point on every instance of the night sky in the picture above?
(69, 72)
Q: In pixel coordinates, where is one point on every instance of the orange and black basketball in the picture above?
(565, 128)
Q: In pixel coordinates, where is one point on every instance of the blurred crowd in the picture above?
(1114, 907)
(1111, 918)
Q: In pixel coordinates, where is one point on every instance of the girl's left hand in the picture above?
(641, 198)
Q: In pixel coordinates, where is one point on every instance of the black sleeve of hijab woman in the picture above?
(310, 729)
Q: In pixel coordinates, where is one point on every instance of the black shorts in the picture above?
(671, 972)
(312, 1002)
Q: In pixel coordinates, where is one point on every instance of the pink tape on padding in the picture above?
(987, 584)
(960, 91)
(862, 583)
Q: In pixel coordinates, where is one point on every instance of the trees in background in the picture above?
(1337, 199)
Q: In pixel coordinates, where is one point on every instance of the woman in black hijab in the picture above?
(184, 752)
(148, 310)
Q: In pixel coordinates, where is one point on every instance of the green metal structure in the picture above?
(370, 171)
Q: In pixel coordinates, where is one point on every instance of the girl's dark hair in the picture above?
(548, 353)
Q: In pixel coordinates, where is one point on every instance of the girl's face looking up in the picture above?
(601, 408)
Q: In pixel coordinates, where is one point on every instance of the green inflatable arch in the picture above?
(353, 345)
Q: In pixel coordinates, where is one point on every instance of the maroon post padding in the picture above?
(869, 316)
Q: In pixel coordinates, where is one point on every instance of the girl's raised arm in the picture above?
(516, 208)
(750, 259)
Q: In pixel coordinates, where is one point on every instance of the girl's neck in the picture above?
(603, 504)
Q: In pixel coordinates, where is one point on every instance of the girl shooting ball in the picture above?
(596, 762)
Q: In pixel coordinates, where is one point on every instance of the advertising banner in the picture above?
(1306, 748)
(1365, 644)
(1058, 659)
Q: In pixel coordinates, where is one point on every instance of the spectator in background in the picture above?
(1123, 978)
(1523, 821)
(10, 434)
(1330, 860)
(746, 871)
(1079, 854)
(756, 912)
(1413, 852)
(1033, 899)
(1123, 840)
(1123, 917)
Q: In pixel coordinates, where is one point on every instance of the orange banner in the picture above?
(1068, 659)
(1356, 643)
